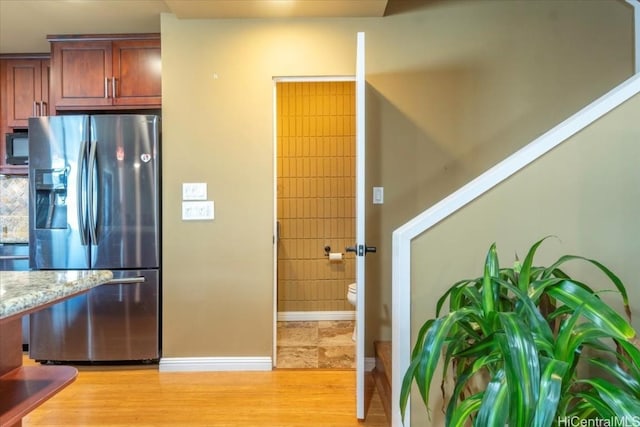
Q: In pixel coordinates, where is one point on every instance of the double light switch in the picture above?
(195, 205)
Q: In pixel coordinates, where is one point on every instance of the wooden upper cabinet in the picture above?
(136, 72)
(80, 73)
(105, 72)
(27, 90)
(24, 92)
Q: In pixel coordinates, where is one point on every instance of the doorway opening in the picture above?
(314, 187)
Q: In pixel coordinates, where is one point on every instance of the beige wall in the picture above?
(315, 154)
(585, 192)
(452, 89)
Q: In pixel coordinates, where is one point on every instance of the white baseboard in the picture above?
(219, 364)
(369, 363)
(301, 316)
(212, 364)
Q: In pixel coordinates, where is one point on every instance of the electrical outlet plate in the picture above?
(198, 211)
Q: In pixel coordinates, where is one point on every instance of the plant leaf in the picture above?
(524, 277)
(621, 403)
(539, 287)
(583, 334)
(627, 381)
(463, 411)
(405, 390)
(567, 331)
(521, 366)
(480, 348)
(631, 356)
(420, 338)
(491, 270)
(614, 279)
(494, 409)
(550, 393)
(462, 284)
(427, 358)
(593, 405)
(594, 309)
(536, 322)
(482, 362)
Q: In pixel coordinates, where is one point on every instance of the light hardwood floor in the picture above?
(145, 397)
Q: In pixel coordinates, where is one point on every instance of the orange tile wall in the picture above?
(316, 193)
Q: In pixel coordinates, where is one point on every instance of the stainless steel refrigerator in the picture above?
(94, 204)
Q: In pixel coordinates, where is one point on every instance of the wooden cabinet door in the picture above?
(27, 91)
(3, 112)
(136, 73)
(81, 74)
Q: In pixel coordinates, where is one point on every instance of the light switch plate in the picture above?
(195, 211)
(194, 191)
(378, 195)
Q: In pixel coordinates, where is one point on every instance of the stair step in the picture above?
(382, 374)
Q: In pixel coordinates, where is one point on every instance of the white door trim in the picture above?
(360, 242)
(311, 79)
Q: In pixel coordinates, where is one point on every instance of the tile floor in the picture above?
(324, 344)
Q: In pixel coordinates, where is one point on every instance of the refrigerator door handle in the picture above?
(81, 192)
(13, 257)
(126, 281)
(90, 184)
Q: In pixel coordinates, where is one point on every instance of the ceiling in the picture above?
(24, 24)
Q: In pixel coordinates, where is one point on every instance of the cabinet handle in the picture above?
(113, 87)
(106, 87)
(39, 108)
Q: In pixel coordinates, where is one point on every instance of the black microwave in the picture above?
(17, 148)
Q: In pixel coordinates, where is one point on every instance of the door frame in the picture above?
(286, 79)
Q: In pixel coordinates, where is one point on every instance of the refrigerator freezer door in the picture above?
(113, 322)
(61, 331)
(57, 236)
(125, 202)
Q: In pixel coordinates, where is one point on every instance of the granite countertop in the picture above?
(25, 291)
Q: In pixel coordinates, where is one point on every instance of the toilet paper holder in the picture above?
(338, 256)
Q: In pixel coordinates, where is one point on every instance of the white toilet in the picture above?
(351, 297)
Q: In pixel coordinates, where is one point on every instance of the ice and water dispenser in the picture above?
(51, 198)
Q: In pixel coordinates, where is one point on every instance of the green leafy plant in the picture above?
(544, 346)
